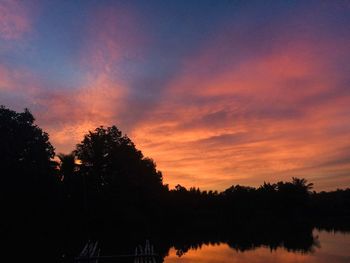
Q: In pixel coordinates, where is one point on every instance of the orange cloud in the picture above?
(263, 119)
(72, 113)
(235, 111)
(69, 113)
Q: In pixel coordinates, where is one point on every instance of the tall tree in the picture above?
(28, 179)
(68, 171)
(116, 172)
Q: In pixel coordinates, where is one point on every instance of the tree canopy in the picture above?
(23, 144)
(26, 153)
(117, 177)
(111, 159)
(28, 189)
(107, 183)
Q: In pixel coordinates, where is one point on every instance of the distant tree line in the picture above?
(107, 183)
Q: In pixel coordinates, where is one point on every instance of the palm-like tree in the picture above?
(302, 184)
(67, 165)
(67, 168)
(268, 188)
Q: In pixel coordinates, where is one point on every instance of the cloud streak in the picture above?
(269, 118)
(261, 96)
(69, 113)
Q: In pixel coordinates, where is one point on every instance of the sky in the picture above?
(218, 93)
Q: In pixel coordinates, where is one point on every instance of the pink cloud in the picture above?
(267, 119)
(98, 101)
(14, 20)
(112, 34)
(69, 113)
(225, 118)
(66, 114)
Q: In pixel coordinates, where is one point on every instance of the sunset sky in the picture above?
(216, 92)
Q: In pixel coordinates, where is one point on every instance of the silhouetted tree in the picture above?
(302, 185)
(71, 179)
(118, 176)
(29, 193)
(107, 183)
(67, 165)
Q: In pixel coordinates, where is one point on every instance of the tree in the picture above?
(68, 172)
(28, 181)
(24, 146)
(116, 172)
(302, 185)
(26, 153)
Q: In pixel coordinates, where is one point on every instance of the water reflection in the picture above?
(292, 237)
(276, 241)
(330, 247)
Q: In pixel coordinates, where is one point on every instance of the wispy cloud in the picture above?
(262, 97)
(68, 114)
(14, 20)
(268, 118)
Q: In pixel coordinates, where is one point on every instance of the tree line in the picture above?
(107, 183)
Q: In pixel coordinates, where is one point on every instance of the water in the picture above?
(328, 247)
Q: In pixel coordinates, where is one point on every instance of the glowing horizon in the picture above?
(218, 94)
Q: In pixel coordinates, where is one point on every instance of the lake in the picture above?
(329, 247)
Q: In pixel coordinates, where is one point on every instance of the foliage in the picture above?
(29, 189)
(107, 183)
(24, 146)
(111, 160)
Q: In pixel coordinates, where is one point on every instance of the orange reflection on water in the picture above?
(333, 248)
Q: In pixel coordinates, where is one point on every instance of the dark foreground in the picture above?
(106, 190)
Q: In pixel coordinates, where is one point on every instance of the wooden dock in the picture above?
(143, 254)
